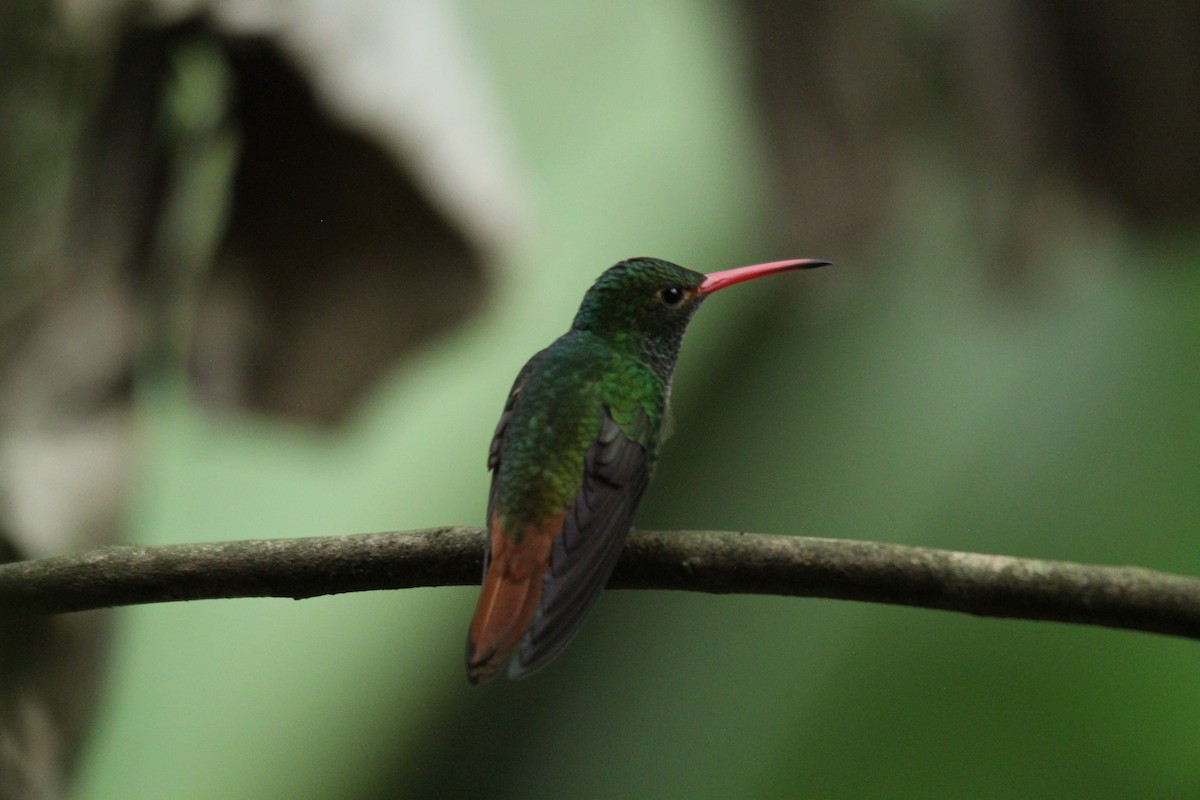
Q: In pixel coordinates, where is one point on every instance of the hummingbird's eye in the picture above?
(671, 296)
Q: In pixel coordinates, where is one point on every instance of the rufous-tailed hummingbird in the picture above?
(573, 454)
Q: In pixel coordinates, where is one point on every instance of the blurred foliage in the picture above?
(898, 395)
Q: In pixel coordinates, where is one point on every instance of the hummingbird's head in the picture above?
(642, 306)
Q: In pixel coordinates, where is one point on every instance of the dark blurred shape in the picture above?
(1035, 106)
(1132, 87)
(835, 83)
(331, 262)
(72, 217)
(332, 266)
(334, 263)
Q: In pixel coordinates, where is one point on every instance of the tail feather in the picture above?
(512, 591)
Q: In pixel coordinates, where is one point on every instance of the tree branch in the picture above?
(717, 562)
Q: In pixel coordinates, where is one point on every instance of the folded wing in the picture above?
(616, 473)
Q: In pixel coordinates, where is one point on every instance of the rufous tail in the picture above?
(511, 592)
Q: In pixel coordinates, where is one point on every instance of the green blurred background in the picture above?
(1003, 359)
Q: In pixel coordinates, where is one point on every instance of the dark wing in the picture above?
(616, 473)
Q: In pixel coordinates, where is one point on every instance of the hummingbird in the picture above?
(573, 453)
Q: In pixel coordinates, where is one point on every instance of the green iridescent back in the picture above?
(618, 359)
